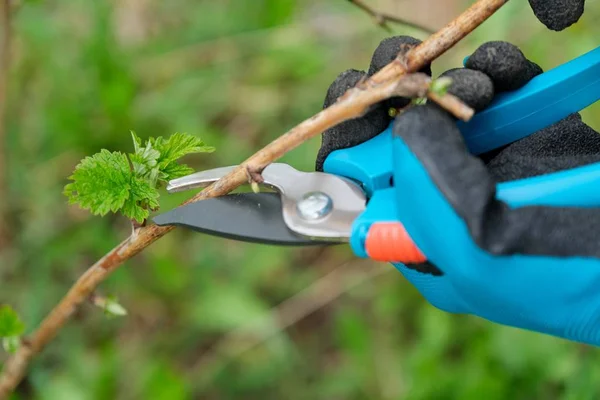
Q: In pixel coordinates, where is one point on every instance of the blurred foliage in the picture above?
(236, 73)
(11, 329)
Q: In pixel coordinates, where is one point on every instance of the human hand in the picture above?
(536, 268)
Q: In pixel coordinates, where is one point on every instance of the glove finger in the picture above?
(505, 64)
(355, 131)
(388, 51)
(567, 144)
(557, 14)
(474, 88)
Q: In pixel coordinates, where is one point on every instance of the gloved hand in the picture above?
(536, 268)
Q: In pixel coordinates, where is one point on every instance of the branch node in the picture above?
(137, 225)
(254, 174)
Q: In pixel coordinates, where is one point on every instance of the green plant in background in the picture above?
(11, 329)
(128, 183)
(239, 73)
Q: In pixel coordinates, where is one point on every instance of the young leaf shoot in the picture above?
(128, 183)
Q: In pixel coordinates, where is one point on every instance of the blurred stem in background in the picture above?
(5, 58)
(382, 18)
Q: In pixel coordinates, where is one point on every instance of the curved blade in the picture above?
(249, 217)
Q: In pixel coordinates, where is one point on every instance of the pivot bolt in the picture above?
(314, 206)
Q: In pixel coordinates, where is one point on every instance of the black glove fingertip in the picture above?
(505, 64)
(388, 50)
(344, 81)
(351, 133)
(557, 14)
(534, 69)
(355, 131)
(474, 88)
(385, 53)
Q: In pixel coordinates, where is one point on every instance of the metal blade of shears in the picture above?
(249, 217)
(309, 208)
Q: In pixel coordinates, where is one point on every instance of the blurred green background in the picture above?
(205, 320)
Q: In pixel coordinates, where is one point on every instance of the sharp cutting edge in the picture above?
(315, 207)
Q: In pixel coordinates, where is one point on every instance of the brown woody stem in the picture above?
(382, 19)
(382, 85)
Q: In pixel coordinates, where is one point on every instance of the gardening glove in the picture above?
(536, 268)
(557, 14)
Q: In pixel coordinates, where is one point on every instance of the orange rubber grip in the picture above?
(389, 241)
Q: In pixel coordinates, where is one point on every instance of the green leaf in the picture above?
(10, 323)
(179, 145)
(145, 165)
(11, 343)
(137, 141)
(144, 159)
(171, 150)
(441, 85)
(175, 170)
(115, 309)
(143, 197)
(111, 306)
(100, 182)
(127, 183)
(105, 183)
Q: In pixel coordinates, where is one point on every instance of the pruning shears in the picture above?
(355, 199)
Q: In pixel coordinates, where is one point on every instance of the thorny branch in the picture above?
(382, 19)
(382, 85)
(5, 41)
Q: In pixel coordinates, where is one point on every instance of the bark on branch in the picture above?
(382, 85)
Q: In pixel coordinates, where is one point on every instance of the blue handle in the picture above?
(578, 187)
(369, 163)
(545, 100)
